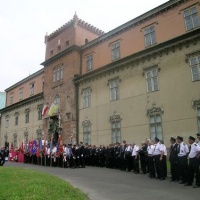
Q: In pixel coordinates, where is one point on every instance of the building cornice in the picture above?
(134, 22)
(60, 55)
(24, 102)
(25, 80)
(144, 55)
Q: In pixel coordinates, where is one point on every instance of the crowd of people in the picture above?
(148, 158)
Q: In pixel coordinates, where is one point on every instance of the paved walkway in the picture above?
(109, 184)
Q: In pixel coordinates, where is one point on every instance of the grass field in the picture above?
(24, 184)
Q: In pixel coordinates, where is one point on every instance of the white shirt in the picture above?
(48, 151)
(158, 149)
(135, 150)
(198, 142)
(150, 150)
(165, 149)
(65, 151)
(183, 149)
(195, 149)
(54, 150)
(128, 148)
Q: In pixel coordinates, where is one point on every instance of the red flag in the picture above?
(45, 109)
(38, 149)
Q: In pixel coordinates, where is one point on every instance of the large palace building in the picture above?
(138, 81)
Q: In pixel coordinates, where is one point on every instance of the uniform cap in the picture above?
(198, 134)
(173, 139)
(179, 138)
(191, 138)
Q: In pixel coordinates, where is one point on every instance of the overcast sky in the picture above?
(24, 23)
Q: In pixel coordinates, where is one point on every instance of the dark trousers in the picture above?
(151, 167)
(2, 161)
(122, 164)
(174, 171)
(194, 171)
(143, 163)
(159, 167)
(165, 165)
(47, 160)
(82, 161)
(183, 168)
(128, 162)
(135, 164)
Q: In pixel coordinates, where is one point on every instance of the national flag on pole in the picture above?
(30, 146)
(52, 109)
(45, 109)
(34, 149)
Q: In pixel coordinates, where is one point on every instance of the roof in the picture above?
(25, 79)
(73, 22)
(134, 22)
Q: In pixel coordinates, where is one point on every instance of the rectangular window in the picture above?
(16, 120)
(198, 117)
(156, 126)
(116, 132)
(40, 112)
(89, 62)
(58, 74)
(54, 75)
(152, 79)
(31, 88)
(20, 94)
(114, 89)
(61, 72)
(150, 36)
(86, 97)
(115, 48)
(86, 134)
(51, 52)
(11, 99)
(15, 140)
(195, 68)
(7, 123)
(191, 18)
(27, 111)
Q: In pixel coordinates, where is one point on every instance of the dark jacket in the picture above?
(173, 157)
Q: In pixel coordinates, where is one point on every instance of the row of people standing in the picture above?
(150, 157)
(185, 161)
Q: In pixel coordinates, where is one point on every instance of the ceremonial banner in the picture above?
(45, 109)
(52, 109)
(34, 149)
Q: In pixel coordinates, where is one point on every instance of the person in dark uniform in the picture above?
(143, 157)
(122, 157)
(101, 156)
(77, 152)
(182, 159)
(2, 156)
(82, 155)
(116, 155)
(173, 158)
(73, 159)
(193, 163)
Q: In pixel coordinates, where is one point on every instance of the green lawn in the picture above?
(24, 184)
